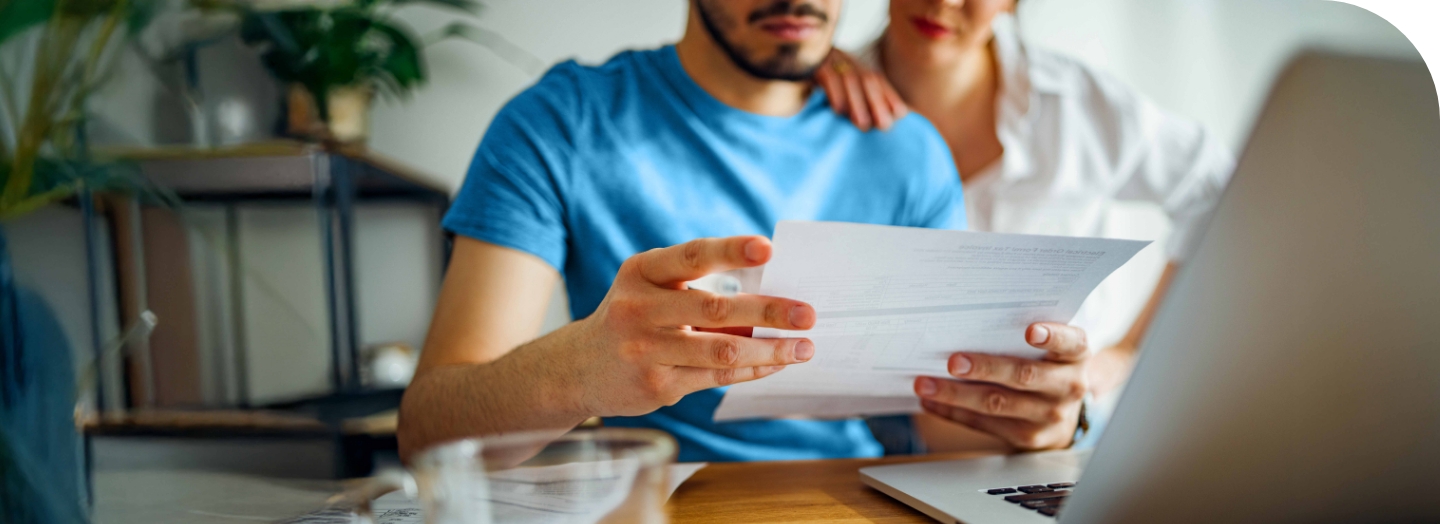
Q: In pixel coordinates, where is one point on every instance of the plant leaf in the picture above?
(141, 13)
(469, 6)
(34, 202)
(403, 62)
(18, 15)
(502, 47)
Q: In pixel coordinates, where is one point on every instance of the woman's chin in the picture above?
(925, 50)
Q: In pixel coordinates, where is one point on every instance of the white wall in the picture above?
(287, 322)
(1211, 60)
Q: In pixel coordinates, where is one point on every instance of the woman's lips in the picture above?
(930, 28)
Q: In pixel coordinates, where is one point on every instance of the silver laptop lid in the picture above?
(1294, 373)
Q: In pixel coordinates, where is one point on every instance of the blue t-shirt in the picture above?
(592, 165)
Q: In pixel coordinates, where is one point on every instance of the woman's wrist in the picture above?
(1109, 368)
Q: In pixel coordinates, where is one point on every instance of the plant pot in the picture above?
(349, 115)
(227, 98)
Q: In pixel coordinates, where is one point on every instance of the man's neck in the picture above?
(709, 66)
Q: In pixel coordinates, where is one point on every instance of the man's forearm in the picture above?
(530, 388)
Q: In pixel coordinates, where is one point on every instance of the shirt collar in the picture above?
(1019, 94)
(1014, 64)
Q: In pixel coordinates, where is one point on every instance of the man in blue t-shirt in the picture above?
(630, 179)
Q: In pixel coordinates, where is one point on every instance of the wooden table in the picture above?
(799, 491)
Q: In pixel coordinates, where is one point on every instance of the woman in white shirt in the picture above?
(1044, 145)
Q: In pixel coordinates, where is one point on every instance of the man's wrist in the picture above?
(564, 391)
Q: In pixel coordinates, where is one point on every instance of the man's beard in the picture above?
(786, 64)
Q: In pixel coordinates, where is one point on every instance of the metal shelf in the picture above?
(335, 179)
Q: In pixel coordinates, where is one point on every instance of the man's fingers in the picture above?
(692, 307)
(988, 400)
(1000, 427)
(875, 97)
(691, 380)
(718, 351)
(1059, 380)
(672, 265)
(1020, 434)
(1065, 343)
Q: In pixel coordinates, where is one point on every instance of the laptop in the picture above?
(1293, 372)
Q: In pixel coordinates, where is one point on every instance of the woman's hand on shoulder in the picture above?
(858, 92)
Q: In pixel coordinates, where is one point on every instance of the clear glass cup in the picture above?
(584, 476)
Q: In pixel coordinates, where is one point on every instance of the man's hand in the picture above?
(1030, 404)
(860, 93)
(642, 348)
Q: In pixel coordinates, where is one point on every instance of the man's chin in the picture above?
(783, 72)
(781, 67)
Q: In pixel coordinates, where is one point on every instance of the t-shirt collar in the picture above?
(1019, 93)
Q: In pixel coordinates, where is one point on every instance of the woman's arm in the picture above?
(1109, 368)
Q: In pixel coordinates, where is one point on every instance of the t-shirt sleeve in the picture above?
(938, 201)
(513, 195)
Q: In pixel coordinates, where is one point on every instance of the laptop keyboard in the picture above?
(1045, 499)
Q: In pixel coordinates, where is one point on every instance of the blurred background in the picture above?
(289, 248)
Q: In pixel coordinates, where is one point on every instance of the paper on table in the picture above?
(679, 473)
(895, 302)
(576, 492)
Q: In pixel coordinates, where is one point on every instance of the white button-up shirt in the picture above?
(1080, 146)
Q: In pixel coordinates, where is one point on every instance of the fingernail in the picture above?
(804, 350)
(926, 386)
(753, 251)
(960, 365)
(1039, 335)
(800, 316)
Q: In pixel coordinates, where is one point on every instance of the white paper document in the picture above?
(893, 303)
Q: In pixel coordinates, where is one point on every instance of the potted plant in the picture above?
(337, 55)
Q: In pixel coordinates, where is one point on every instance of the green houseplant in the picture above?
(66, 50)
(337, 54)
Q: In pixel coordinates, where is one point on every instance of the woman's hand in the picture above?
(1030, 404)
(859, 93)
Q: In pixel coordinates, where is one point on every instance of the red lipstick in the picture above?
(930, 28)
